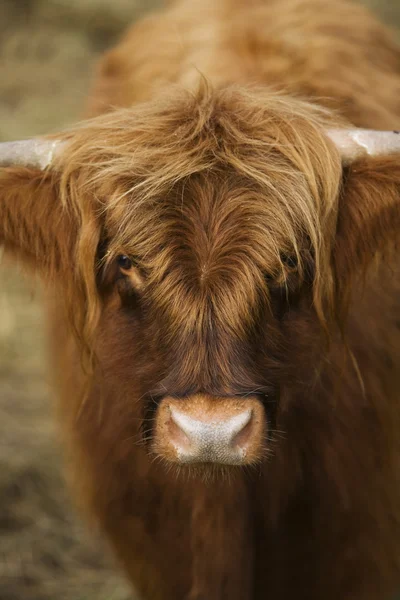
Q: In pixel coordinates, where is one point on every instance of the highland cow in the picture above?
(218, 242)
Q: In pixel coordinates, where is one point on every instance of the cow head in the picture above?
(205, 247)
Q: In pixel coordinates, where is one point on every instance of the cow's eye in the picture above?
(124, 262)
(289, 260)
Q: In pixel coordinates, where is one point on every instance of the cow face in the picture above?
(198, 310)
(209, 237)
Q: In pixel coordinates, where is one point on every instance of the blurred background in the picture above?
(48, 49)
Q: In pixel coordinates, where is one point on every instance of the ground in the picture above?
(47, 52)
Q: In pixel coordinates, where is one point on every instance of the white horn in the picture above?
(34, 153)
(356, 143)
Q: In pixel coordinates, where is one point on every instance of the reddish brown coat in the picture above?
(212, 185)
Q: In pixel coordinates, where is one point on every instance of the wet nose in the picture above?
(210, 441)
(198, 430)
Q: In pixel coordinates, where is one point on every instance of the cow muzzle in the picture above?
(206, 429)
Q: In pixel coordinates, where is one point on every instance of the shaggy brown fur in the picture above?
(260, 266)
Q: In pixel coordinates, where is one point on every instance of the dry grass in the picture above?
(48, 49)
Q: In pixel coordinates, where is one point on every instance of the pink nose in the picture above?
(210, 441)
(203, 429)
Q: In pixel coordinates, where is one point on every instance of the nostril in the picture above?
(177, 434)
(184, 428)
(243, 436)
